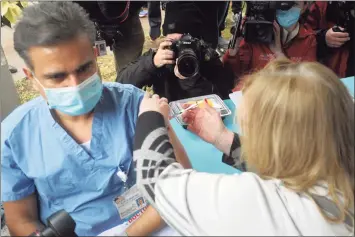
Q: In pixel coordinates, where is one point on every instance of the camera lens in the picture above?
(187, 63)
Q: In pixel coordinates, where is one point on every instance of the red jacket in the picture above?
(317, 20)
(252, 57)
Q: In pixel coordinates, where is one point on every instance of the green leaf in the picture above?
(4, 7)
(24, 3)
(13, 13)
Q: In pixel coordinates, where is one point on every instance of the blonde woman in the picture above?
(297, 121)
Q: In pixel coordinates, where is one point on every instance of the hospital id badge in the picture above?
(130, 202)
(100, 46)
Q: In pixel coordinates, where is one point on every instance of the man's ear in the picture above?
(29, 75)
(95, 50)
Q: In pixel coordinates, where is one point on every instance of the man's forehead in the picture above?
(61, 57)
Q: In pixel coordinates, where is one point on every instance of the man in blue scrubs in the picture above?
(64, 149)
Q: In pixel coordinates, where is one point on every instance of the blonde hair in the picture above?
(300, 129)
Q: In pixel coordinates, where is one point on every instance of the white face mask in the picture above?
(75, 100)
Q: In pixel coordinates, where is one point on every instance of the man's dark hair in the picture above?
(50, 23)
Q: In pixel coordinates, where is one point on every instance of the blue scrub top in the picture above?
(38, 155)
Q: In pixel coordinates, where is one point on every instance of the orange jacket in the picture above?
(337, 58)
(251, 57)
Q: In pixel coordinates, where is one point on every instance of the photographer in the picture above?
(334, 25)
(290, 39)
(167, 72)
(118, 24)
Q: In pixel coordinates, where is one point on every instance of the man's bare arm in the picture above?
(180, 153)
(22, 216)
(150, 221)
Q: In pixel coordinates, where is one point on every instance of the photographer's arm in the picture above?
(239, 65)
(220, 80)
(140, 72)
(311, 54)
(148, 67)
(22, 216)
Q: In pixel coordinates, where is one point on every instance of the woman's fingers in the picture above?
(188, 117)
(185, 106)
(155, 96)
(163, 100)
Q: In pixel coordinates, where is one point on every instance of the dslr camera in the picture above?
(59, 224)
(260, 16)
(342, 13)
(190, 52)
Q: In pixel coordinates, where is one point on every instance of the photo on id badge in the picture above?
(140, 202)
(100, 46)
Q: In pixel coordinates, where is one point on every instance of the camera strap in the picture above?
(304, 16)
(121, 17)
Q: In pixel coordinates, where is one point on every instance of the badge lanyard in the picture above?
(124, 176)
(130, 201)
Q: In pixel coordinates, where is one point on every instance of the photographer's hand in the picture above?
(164, 55)
(177, 73)
(234, 51)
(336, 39)
(276, 47)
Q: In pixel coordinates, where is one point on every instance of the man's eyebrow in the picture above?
(84, 65)
(55, 75)
(63, 74)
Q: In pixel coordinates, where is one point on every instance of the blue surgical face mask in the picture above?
(75, 100)
(288, 18)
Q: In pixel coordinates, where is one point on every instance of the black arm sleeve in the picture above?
(233, 159)
(221, 76)
(322, 48)
(152, 151)
(140, 72)
(214, 78)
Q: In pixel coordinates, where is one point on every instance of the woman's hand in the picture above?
(206, 123)
(155, 103)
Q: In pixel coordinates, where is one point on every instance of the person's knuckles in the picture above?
(184, 106)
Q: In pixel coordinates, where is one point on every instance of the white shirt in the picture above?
(234, 205)
(288, 36)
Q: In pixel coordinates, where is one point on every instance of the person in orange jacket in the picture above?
(335, 48)
(292, 40)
